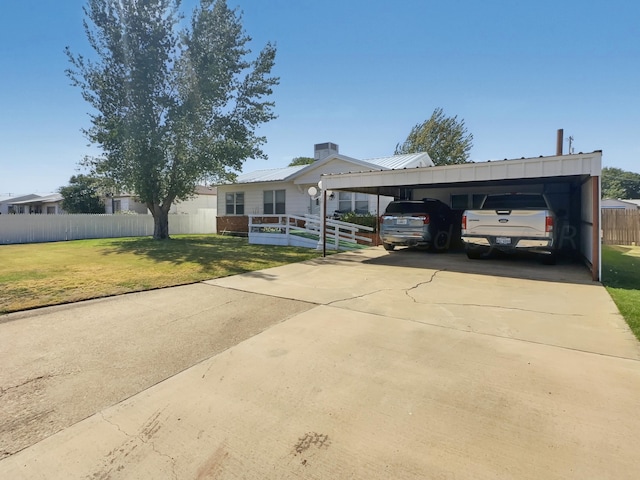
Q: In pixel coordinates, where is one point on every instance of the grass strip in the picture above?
(621, 277)
(38, 275)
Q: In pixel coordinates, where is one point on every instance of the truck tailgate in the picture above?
(508, 223)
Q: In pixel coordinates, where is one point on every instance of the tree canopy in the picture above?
(173, 105)
(81, 195)
(618, 183)
(445, 139)
(301, 161)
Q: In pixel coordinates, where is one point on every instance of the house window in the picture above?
(344, 201)
(117, 206)
(51, 210)
(362, 203)
(234, 203)
(349, 202)
(274, 202)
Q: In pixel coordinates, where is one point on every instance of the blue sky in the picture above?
(361, 73)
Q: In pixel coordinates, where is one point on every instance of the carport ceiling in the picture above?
(394, 191)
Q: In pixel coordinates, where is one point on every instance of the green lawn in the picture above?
(37, 275)
(621, 276)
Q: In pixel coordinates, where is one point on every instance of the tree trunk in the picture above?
(160, 222)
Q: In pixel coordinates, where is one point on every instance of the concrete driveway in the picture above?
(361, 365)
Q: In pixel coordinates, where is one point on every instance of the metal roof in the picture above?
(271, 175)
(380, 163)
(51, 198)
(402, 161)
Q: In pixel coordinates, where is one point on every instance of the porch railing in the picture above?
(305, 231)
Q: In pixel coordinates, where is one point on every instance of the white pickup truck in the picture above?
(510, 223)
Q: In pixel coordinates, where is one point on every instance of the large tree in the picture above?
(81, 195)
(445, 139)
(173, 105)
(618, 183)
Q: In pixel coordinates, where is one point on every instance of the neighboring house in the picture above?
(34, 204)
(206, 198)
(285, 190)
(6, 203)
(617, 204)
(125, 202)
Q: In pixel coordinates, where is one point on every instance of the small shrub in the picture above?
(366, 219)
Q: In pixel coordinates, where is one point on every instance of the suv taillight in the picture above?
(425, 219)
(548, 224)
(464, 222)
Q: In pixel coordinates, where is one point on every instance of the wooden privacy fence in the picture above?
(620, 227)
(55, 228)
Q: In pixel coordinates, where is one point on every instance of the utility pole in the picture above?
(570, 143)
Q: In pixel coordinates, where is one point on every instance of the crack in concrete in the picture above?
(142, 439)
(406, 290)
(501, 307)
(173, 460)
(421, 284)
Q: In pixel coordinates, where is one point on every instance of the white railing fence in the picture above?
(304, 231)
(54, 228)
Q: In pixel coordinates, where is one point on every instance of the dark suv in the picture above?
(423, 223)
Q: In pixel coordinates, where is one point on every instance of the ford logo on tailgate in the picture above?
(503, 220)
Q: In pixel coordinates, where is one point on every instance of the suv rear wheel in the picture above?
(388, 247)
(441, 241)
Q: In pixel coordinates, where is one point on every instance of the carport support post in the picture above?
(324, 222)
(596, 240)
(377, 235)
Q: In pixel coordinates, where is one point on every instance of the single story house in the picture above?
(618, 204)
(204, 198)
(6, 203)
(123, 202)
(34, 204)
(286, 190)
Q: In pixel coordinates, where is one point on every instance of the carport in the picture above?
(570, 182)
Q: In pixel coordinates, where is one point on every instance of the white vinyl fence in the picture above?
(55, 228)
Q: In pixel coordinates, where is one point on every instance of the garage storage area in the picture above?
(571, 184)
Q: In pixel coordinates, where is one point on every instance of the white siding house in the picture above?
(205, 198)
(34, 204)
(285, 190)
(617, 204)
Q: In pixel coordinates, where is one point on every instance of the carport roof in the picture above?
(387, 182)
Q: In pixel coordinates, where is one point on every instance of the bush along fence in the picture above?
(55, 228)
(621, 227)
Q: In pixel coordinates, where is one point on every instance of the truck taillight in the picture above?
(464, 222)
(548, 225)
